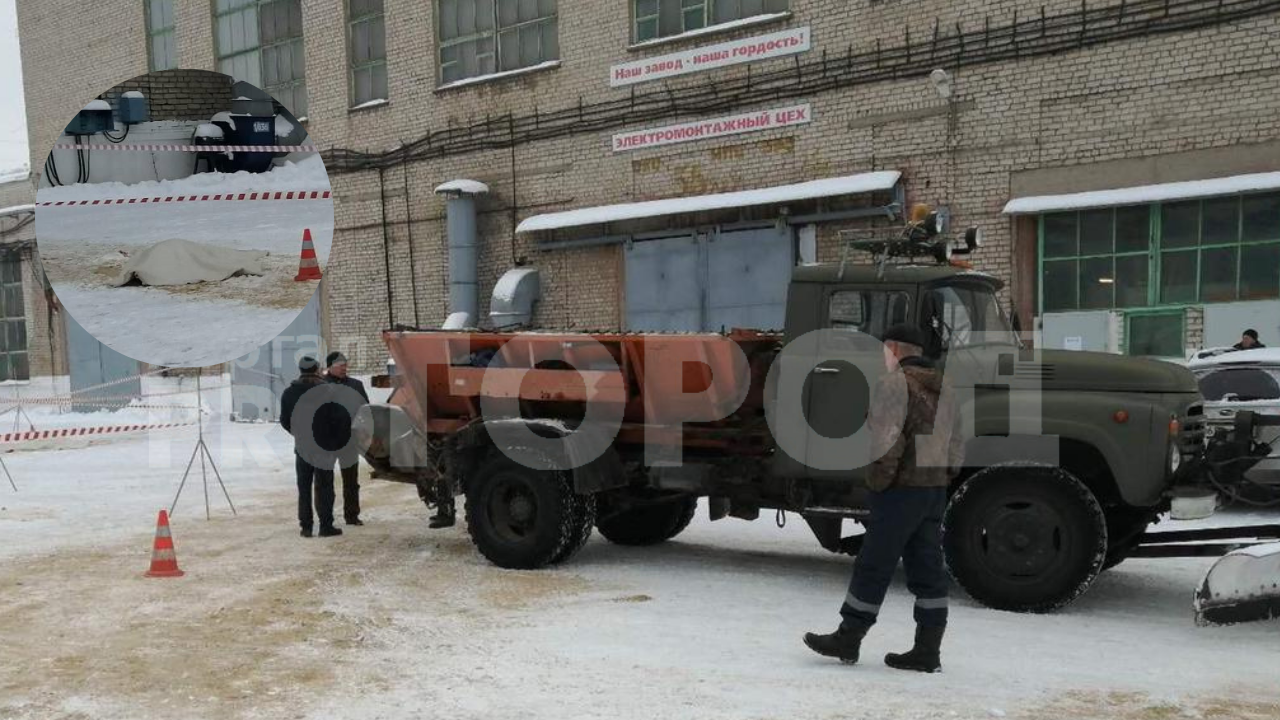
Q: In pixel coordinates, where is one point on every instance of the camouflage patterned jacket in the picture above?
(916, 436)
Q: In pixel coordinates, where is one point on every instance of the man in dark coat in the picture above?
(1248, 341)
(312, 445)
(908, 479)
(349, 458)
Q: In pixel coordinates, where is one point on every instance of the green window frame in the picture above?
(656, 19)
(1161, 255)
(367, 51)
(260, 42)
(14, 362)
(1156, 333)
(162, 42)
(486, 37)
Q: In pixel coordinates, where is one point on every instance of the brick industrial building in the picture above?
(1158, 120)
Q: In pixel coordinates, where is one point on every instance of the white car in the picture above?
(1234, 380)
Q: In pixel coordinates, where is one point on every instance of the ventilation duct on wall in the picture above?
(513, 298)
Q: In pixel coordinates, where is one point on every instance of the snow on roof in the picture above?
(133, 94)
(17, 210)
(470, 187)
(1145, 194)
(1259, 356)
(830, 187)
(244, 98)
(208, 130)
(98, 105)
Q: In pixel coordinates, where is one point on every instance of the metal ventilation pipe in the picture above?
(460, 214)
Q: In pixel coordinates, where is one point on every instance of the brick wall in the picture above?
(179, 94)
(1136, 98)
(46, 339)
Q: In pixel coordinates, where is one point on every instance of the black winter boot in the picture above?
(843, 644)
(330, 532)
(925, 655)
(444, 516)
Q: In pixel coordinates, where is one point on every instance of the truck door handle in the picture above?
(826, 370)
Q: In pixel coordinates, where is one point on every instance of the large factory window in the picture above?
(260, 42)
(13, 320)
(483, 37)
(664, 18)
(1219, 249)
(162, 48)
(368, 46)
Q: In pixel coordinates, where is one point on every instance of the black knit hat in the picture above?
(904, 333)
(335, 358)
(1251, 333)
(308, 365)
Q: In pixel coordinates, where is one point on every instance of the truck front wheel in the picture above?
(1024, 538)
(523, 518)
(647, 524)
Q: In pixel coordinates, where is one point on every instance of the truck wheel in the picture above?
(519, 517)
(1027, 539)
(584, 522)
(649, 524)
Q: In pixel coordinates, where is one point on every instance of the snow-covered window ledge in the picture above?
(380, 102)
(717, 29)
(494, 77)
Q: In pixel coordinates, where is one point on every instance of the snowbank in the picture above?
(306, 174)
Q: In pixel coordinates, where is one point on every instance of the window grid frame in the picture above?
(494, 34)
(218, 56)
(239, 6)
(169, 31)
(708, 15)
(356, 66)
(1156, 252)
(9, 257)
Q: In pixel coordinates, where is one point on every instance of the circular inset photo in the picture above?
(183, 218)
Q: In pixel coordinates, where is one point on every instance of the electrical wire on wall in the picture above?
(408, 224)
(1089, 25)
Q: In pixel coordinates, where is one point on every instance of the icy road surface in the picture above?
(395, 621)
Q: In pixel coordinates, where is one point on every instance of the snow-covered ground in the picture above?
(395, 621)
(84, 247)
(162, 328)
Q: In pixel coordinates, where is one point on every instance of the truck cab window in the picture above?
(868, 312)
(959, 316)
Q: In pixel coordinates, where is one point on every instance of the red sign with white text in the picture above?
(717, 127)
(734, 52)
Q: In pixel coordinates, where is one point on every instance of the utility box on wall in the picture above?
(1096, 331)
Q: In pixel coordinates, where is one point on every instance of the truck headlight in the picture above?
(1175, 458)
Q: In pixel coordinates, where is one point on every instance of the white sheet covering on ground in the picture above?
(182, 262)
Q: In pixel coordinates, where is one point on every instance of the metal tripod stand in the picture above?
(202, 450)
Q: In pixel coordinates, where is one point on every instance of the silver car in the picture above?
(1234, 380)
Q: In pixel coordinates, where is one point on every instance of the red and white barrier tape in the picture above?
(276, 195)
(83, 431)
(191, 148)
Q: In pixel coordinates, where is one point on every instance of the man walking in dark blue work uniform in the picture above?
(918, 446)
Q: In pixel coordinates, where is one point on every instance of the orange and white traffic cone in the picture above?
(164, 561)
(308, 266)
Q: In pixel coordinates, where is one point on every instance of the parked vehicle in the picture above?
(1022, 532)
(1232, 381)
